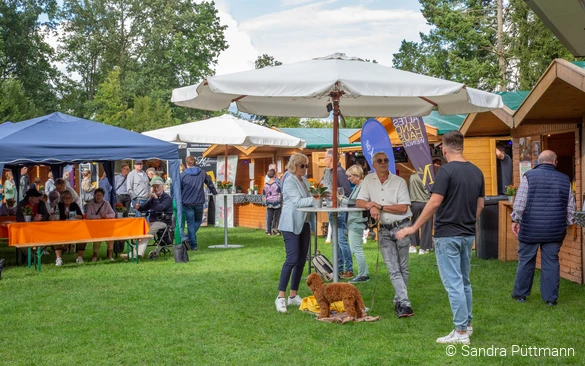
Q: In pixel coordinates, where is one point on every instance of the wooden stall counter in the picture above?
(249, 211)
(507, 241)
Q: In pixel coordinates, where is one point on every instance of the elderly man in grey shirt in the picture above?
(138, 186)
(386, 196)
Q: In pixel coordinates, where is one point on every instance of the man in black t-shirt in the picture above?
(458, 198)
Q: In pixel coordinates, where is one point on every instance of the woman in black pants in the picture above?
(294, 226)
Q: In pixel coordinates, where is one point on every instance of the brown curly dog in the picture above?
(327, 294)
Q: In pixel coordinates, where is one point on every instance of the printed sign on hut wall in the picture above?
(413, 134)
(227, 212)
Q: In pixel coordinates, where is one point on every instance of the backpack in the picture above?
(323, 267)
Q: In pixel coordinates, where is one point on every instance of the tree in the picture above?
(14, 104)
(266, 60)
(25, 55)
(149, 114)
(108, 105)
(481, 43)
(156, 45)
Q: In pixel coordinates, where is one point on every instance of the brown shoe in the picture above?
(346, 275)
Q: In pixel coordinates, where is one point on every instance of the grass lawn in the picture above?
(218, 309)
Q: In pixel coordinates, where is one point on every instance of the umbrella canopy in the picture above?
(335, 83)
(226, 130)
(304, 89)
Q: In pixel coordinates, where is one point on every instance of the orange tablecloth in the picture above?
(4, 220)
(83, 230)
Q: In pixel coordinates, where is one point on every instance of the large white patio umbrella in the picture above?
(343, 84)
(229, 131)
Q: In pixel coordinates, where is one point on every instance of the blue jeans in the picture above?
(136, 212)
(193, 214)
(549, 273)
(344, 261)
(355, 233)
(453, 258)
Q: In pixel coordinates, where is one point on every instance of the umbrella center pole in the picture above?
(335, 97)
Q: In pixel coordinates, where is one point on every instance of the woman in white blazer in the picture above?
(294, 226)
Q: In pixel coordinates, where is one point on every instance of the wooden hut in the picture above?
(550, 117)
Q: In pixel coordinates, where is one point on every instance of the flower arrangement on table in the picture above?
(27, 210)
(41, 188)
(227, 184)
(256, 187)
(316, 188)
(120, 207)
(511, 190)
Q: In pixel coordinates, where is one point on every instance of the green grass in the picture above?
(219, 309)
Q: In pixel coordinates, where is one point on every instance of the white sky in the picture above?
(297, 30)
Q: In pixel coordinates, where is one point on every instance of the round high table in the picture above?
(225, 244)
(334, 240)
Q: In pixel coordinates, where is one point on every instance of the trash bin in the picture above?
(486, 237)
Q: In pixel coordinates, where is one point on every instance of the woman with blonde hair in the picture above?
(294, 226)
(9, 187)
(356, 223)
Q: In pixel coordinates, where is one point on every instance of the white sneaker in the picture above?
(295, 301)
(454, 338)
(423, 251)
(412, 249)
(280, 303)
(469, 330)
(59, 262)
(79, 260)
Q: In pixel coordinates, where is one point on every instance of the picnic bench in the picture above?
(41, 234)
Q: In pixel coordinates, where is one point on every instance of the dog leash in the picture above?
(377, 262)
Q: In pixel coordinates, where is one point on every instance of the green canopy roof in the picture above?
(322, 138)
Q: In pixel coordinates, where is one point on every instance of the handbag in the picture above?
(180, 252)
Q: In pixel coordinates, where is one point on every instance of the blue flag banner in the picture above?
(413, 134)
(375, 138)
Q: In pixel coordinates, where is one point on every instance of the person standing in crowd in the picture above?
(9, 187)
(543, 208)
(7, 208)
(504, 168)
(150, 172)
(24, 183)
(344, 260)
(295, 229)
(99, 208)
(458, 198)
(356, 223)
(159, 206)
(61, 186)
(104, 183)
(87, 187)
(120, 187)
(137, 185)
(67, 177)
(276, 178)
(49, 184)
(193, 195)
(386, 196)
(419, 196)
(273, 201)
(68, 210)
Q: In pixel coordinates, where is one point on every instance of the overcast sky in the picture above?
(297, 30)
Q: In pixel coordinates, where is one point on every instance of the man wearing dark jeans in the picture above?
(193, 195)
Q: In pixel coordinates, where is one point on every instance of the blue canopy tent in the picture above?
(59, 139)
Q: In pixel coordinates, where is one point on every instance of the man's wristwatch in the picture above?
(381, 208)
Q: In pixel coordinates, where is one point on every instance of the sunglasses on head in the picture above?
(382, 161)
(303, 166)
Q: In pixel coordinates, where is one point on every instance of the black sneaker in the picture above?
(405, 312)
(519, 298)
(396, 307)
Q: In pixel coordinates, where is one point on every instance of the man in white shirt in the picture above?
(386, 196)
